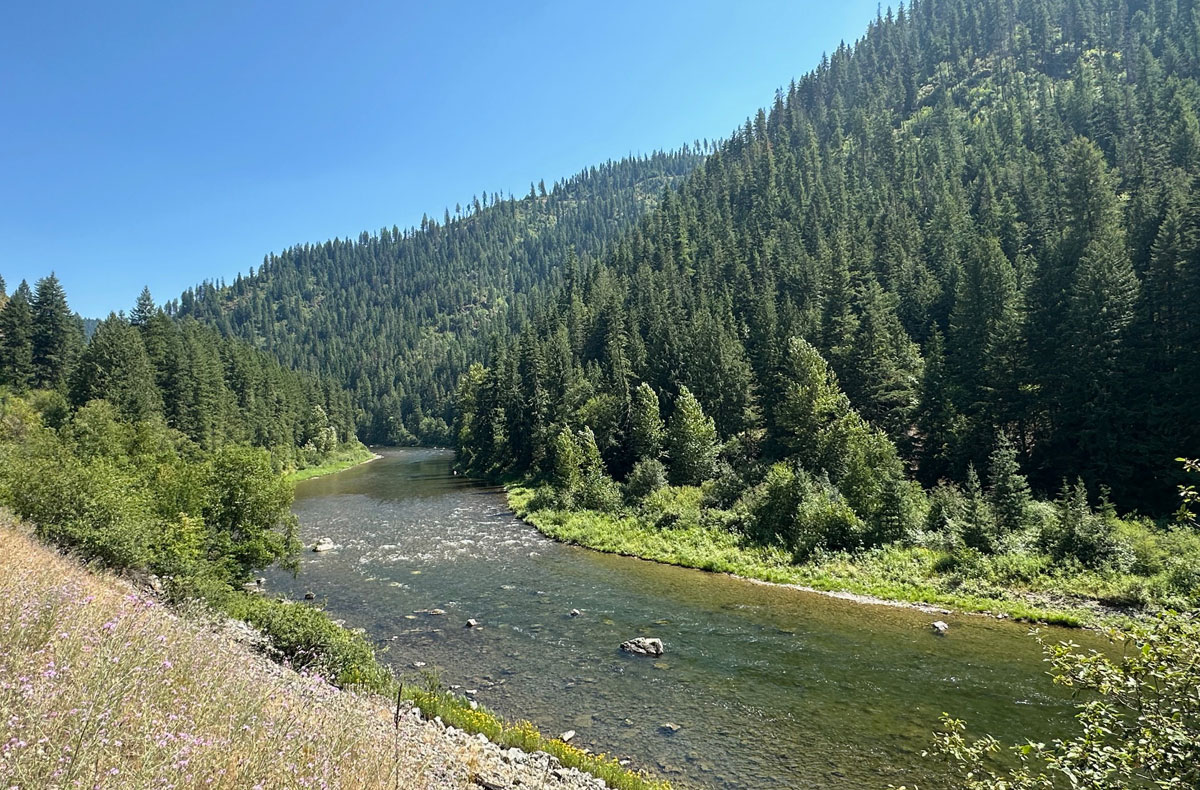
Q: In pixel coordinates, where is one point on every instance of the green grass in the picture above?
(905, 574)
(346, 457)
(456, 712)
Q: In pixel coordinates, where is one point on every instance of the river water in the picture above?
(769, 687)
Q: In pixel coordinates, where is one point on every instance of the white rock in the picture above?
(567, 736)
(940, 627)
(324, 544)
(643, 646)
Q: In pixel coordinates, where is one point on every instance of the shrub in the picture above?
(726, 487)
(1080, 534)
(802, 514)
(90, 508)
(676, 506)
(946, 508)
(1137, 718)
(308, 639)
(648, 476)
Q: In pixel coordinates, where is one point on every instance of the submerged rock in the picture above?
(939, 627)
(643, 646)
(670, 727)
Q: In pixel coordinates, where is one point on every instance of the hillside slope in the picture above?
(980, 215)
(927, 322)
(397, 316)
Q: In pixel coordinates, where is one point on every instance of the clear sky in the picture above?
(164, 143)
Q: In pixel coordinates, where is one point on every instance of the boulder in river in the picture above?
(939, 627)
(323, 544)
(310, 596)
(575, 612)
(567, 736)
(670, 727)
(472, 623)
(643, 646)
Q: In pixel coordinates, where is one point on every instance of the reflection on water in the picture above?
(769, 687)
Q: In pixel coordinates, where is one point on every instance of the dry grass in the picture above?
(100, 687)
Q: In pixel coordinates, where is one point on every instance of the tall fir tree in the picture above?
(57, 337)
(16, 340)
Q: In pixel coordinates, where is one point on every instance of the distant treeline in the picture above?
(212, 389)
(398, 316)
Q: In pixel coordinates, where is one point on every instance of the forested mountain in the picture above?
(399, 315)
(213, 390)
(977, 222)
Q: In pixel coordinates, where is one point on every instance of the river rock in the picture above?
(324, 544)
(437, 612)
(575, 612)
(567, 736)
(670, 727)
(472, 623)
(939, 627)
(643, 646)
(310, 596)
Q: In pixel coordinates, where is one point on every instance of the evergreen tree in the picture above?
(1009, 491)
(56, 337)
(16, 340)
(115, 367)
(691, 441)
(144, 309)
(646, 429)
(978, 525)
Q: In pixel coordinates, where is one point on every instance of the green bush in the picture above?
(308, 639)
(1018, 568)
(1078, 533)
(674, 507)
(1137, 718)
(648, 476)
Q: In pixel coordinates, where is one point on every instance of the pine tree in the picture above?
(115, 367)
(1009, 494)
(56, 337)
(1096, 411)
(144, 309)
(691, 441)
(978, 529)
(16, 340)
(646, 429)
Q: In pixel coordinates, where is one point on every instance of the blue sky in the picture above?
(164, 143)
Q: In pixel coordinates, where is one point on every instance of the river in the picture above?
(769, 687)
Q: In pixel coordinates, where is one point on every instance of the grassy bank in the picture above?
(1025, 588)
(345, 458)
(100, 683)
(102, 687)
